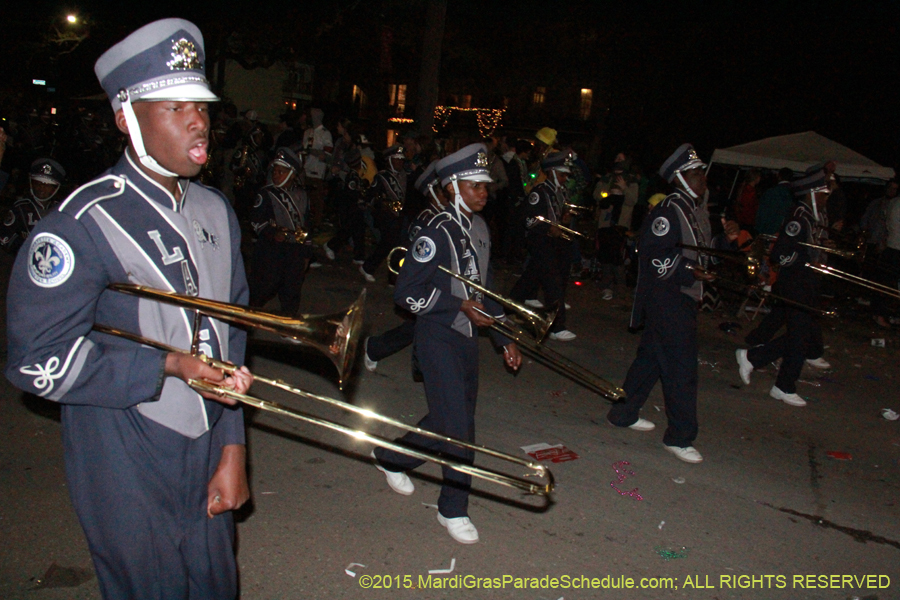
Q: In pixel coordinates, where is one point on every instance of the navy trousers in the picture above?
(667, 353)
(449, 363)
(140, 493)
(278, 268)
(549, 262)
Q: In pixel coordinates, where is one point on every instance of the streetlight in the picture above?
(72, 19)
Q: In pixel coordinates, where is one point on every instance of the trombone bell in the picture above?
(335, 335)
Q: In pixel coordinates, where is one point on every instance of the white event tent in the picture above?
(798, 152)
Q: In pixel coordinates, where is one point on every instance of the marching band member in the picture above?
(447, 320)
(387, 194)
(282, 251)
(550, 254)
(153, 468)
(45, 178)
(668, 291)
(795, 282)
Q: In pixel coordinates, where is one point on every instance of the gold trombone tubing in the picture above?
(858, 254)
(866, 283)
(568, 232)
(532, 346)
(335, 335)
(538, 470)
(539, 321)
(576, 207)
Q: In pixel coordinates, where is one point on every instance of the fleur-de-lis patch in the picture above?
(184, 56)
(51, 262)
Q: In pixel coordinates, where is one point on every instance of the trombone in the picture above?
(887, 290)
(308, 324)
(859, 254)
(335, 335)
(567, 232)
(532, 346)
(752, 264)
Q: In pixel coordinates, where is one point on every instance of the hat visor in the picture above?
(693, 164)
(189, 92)
(45, 179)
(562, 169)
(480, 177)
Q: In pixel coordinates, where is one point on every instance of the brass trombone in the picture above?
(567, 232)
(304, 331)
(576, 207)
(861, 281)
(532, 346)
(539, 321)
(858, 254)
(752, 264)
(335, 335)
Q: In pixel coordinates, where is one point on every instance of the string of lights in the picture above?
(488, 118)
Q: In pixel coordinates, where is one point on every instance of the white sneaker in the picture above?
(369, 278)
(358, 262)
(745, 367)
(792, 399)
(607, 294)
(818, 363)
(315, 265)
(371, 365)
(328, 251)
(399, 482)
(642, 425)
(460, 529)
(688, 455)
(534, 303)
(563, 336)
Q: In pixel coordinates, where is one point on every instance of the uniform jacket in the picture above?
(664, 269)
(796, 281)
(422, 219)
(20, 220)
(124, 228)
(546, 200)
(430, 293)
(388, 187)
(278, 206)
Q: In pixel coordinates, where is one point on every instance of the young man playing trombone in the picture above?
(153, 468)
(448, 315)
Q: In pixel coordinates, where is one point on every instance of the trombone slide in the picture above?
(566, 230)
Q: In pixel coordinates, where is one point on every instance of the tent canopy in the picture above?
(798, 152)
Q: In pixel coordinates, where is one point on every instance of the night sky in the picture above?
(716, 80)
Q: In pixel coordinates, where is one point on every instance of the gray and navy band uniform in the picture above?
(666, 303)
(547, 199)
(446, 341)
(140, 447)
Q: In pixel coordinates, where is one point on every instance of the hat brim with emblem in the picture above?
(811, 182)
(164, 60)
(557, 161)
(287, 158)
(47, 170)
(467, 164)
(427, 178)
(683, 159)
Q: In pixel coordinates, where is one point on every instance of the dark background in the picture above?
(713, 78)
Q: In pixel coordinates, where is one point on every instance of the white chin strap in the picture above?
(458, 203)
(437, 201)
(286, 181)
(134, 131)
(555, 180)
(41, 201)
(687, 188)
(812, 200)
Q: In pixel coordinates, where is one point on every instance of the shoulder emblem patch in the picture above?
(660, 226)
(51, 260)
(792, 228)
(534, 198)
(424, 249)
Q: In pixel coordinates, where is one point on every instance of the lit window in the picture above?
(539, 94)
(359, 97)
(398, 98)
(586, 97)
